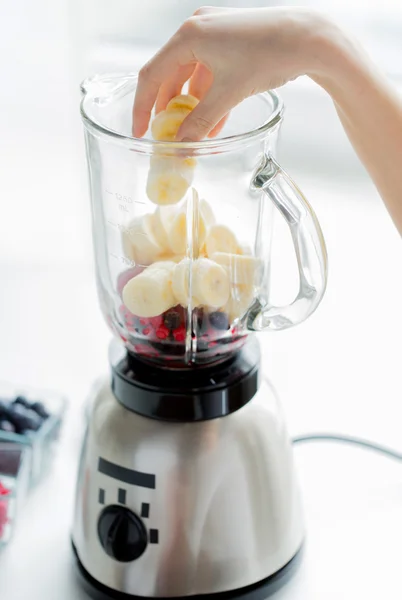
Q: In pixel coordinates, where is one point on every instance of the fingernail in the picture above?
(186, 139)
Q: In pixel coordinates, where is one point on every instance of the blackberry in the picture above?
(172, 319)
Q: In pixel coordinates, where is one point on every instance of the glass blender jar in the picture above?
(182, 284)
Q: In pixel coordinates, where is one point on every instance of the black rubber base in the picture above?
(258, 591)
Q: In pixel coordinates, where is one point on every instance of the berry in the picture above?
(219, 320)
(172, 319)
(5, 425)
(179, 334)
(3, 490)
(162, 332)
(23, 419)
(23, 401)
(146, 330)
(144, 321)
(40, 410)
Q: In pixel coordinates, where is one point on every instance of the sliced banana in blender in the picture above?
(169, 181)
(150, 294)
(165, 125)
(160, 223)
(242, 269)
(139, 244)
(170, 177)
(180, 284)
(183, 101)
(207, 212)
(241, 298)
(210, 283)
(221, 239)
(178, 232)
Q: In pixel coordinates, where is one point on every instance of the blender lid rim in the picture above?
(206, 144)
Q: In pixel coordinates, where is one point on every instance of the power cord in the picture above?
(345, 439)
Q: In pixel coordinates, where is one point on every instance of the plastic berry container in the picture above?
(43, 412)
(15, 465)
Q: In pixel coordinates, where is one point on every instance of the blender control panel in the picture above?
(122, 533)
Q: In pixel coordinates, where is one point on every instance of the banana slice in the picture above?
(165, 125)
(139, 244)
(180, 283)
(207, 213)
(168, 187)
(210, 283)
(178, 232)
(242, 269)
(245, 249)
(160, 224)
(240, 300)
(184, 101)
(150, 294)
(221, 239)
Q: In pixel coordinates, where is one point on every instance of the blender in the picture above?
(186, 484)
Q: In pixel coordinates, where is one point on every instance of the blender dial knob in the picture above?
(122, 534)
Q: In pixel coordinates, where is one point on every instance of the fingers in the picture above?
(172, 87)
(169, 59)
(218, 128)
(207, 114)
(200, 82)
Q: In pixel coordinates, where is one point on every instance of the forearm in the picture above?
(370, 111)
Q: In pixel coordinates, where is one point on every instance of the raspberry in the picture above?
(162, 332)
(146, 331)
(179, 334)
(144, 321)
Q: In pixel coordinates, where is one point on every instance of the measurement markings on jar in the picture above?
(118, 226)
(122, 259)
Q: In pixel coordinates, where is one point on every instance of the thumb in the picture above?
(206, 115)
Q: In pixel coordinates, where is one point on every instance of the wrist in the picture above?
(337, 61)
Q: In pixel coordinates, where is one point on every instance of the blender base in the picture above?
(258, 591)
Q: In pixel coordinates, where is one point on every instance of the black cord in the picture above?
(345, 439)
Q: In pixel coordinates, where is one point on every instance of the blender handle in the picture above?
(308, 240)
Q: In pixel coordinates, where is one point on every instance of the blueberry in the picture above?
(23, 419)
(219, 320)
(172, 319)
(5, 425)
(22, 400)
(40, 410)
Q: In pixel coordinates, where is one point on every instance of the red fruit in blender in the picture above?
(146, 330)
(3, 490)
(3, 516)
(125, 277)
(162, 332)
(179, 334)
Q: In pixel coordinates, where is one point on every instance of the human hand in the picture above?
(228, 55)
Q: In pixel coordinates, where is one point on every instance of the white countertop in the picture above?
(340, 371)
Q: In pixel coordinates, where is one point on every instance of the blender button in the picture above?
(153, 536)
(145, 510)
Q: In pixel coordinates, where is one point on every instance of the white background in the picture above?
(340, 371)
